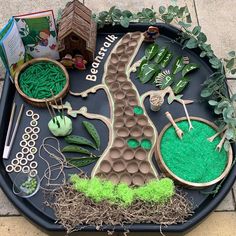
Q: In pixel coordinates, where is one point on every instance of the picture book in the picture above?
(28, 36)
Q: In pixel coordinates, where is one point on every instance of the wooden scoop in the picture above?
(178, 131)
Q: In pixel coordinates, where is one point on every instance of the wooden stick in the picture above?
(46, 101)
(178, 131)
(55, 101)
(187, 115)
(55, 115)
(63, 113)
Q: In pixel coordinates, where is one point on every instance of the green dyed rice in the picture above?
(193, 158)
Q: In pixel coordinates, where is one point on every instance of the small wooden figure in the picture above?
(151, 34)
(80, 62)
(178, 131)
(67, 61)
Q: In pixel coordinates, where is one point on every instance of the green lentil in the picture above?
(37, 80)
(193, 158)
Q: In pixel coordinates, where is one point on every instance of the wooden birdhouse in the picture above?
(77, 31)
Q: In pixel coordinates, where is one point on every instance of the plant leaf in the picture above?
(149, 71)
(231, 54)
(92, 132)
(191, 43)
(151, 51)
(81, 162)
(75, 148)
(178, 65)
(212, 102)
(188, 68)
(79, 140)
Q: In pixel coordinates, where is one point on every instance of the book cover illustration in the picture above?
(38, 33)
(12, 50)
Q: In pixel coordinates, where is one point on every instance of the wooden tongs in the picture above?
(8, 145)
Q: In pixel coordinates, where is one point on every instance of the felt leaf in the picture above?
(188, 68)
(151, 51)
(149, 71)
(178, 65)
(79, 140)
(81, 162)
(93, 132)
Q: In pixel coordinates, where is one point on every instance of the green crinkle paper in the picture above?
(156, 191)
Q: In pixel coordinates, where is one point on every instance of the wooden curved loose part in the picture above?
(220, 145)
(134, 67)
(212, 138)
(90, 90)
(178, 131)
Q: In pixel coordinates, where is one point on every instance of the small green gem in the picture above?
(133, 143)
(138, 110)
(146, 144)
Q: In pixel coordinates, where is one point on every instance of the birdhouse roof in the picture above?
(77, 18)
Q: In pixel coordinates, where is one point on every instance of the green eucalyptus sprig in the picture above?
(214, 88)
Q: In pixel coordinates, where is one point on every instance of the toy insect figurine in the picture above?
(67, 61)
(79, 62)
(151, 34)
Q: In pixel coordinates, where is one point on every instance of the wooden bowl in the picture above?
(41, 102)
(179, 180)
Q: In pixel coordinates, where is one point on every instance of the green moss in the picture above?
(193, 158)
(157, 191)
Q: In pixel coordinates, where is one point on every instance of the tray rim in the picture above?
(47, 224)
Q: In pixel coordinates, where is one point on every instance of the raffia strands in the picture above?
(74, 211)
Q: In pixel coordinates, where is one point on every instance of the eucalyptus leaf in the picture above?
(226, 145)
(212, 102)
(230, 64)
(125, 22)
(196, 30)
(192, 43)
(229, 133)
(151, 51)
(162, 9)
(206, 93)
(202, 37)
(231, 54)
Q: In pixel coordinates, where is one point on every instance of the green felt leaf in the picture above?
(82, 161)
(161, 55)
(180, 85)
(167, 81)
(79, 140)
(189, 68)
(151, 51)
(141, 67)
(93, 132)
(149, 71)
(75, 148)
(178, 65)
(165, 62)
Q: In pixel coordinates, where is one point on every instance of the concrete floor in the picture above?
(217, 19)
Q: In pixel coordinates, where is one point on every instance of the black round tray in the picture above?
(34, 209)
